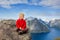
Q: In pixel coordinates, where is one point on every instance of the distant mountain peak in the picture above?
(30, 18)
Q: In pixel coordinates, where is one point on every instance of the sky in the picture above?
(42, 9)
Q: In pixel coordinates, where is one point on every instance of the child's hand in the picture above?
(20, 28)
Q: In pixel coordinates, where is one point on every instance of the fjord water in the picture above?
(52, 35)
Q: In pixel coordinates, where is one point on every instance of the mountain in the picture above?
(36, 26)
(8, 31)
(44, 22)
(55, 23)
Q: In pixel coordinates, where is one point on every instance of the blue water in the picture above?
(52, 35)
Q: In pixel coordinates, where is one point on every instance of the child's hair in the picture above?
(21, 14)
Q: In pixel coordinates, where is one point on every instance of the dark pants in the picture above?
(22, 31)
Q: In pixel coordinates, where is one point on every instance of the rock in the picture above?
(8, 31)
(57, 38)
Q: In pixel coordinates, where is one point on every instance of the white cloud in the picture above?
(7, 3)
(45, 3)
(34, 2)
(50, 3)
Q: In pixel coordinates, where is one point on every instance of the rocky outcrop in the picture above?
(8, 31)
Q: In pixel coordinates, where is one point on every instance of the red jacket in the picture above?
(21, 23)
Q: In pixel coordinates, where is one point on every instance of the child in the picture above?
(21, 24)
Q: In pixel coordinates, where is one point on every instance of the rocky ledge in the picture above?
(8, 31)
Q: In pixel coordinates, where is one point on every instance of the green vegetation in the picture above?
(57, 38)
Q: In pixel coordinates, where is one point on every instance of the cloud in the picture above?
(50, 3)
(44, 3)
(47, 3)
(8, 3)
(34, 2)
